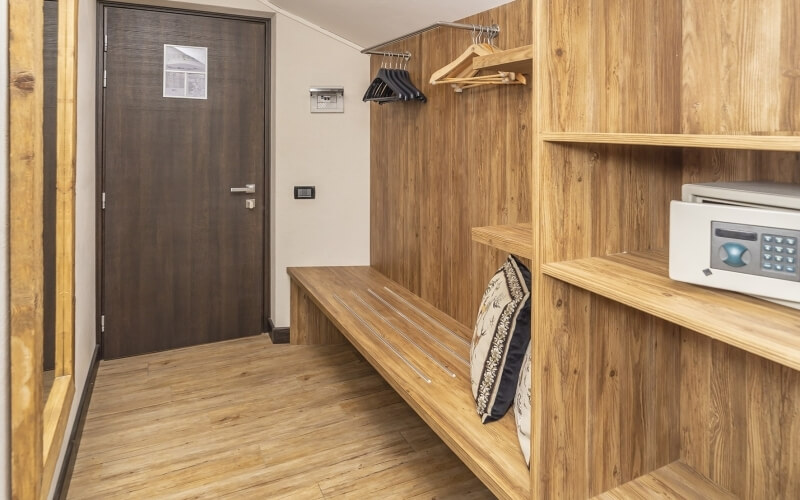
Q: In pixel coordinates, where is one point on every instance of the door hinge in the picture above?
(103, 201)
(105, 78)
(105, 43)
(103, 323)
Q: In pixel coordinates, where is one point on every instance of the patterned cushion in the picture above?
(502, 334)
(522, 408)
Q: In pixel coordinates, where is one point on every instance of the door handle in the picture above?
(248, 188)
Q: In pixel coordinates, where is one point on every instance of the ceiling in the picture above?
(369, 22)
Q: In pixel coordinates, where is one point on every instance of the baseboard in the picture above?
(65, 474)
(278, 335)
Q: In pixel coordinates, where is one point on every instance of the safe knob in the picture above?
(734, 254)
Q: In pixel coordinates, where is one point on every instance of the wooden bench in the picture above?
(420, 351)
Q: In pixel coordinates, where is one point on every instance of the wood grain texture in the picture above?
(511, 238)
(749, 142)
(181, 266)
(67, 137)
(640, 280)
(516, 60)
(738, 411)
(740, 76)
(441, 168)
(491, 451)
(604, 374)
(25, 193)
(282, 422)
(676, 481)
(55, 417)
(309, 325)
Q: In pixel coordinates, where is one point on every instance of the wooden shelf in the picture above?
(676, 481)
(640, 280)
(758, 142)
(518, 60)
(513, 238)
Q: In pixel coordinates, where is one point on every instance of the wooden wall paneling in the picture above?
(732, 66)
(67, 146)
(790, 67)
(607, 66)
(738, 411)
(739, 414)
(633, 395)
(25, 167)
(456, 162)
(310, 326)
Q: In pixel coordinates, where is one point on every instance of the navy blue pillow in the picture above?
(501, 337)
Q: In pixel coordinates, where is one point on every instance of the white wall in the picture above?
(330, 151)
(85, 309)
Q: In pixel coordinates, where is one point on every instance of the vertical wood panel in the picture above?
(740, 415)
(443, 167)
(607, 382)
(739, 411)
(310, 326)
(65, 197)
(790, 67)
(26, 104)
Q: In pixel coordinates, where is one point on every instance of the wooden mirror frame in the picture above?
(37, 428)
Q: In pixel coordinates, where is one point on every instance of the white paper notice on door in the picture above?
(185, 72)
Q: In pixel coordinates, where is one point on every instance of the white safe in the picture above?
(740, 236)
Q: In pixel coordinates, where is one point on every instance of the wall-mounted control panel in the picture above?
(305, 192)
(327, 99)
(743, 237)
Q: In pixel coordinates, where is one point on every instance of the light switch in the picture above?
(305, 192)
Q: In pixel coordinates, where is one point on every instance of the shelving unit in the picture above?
(517, 60)
(676, 481)
(643, 385)
(640, 280)
(512, 238)
(749, 142)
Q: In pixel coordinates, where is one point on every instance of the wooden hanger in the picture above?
(460, 73)
(462, 66)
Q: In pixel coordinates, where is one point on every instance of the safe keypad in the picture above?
(779, 253)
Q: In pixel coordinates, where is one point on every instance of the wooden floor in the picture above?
(248, 419)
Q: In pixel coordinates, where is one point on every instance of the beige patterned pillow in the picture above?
(522, 408)
(502, 333)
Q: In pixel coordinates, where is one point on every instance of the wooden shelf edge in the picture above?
(517, 60)
(676, 481)
(758, 142)
(513, 238)
(640, 280)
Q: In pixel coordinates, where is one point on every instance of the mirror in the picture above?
(41, 200)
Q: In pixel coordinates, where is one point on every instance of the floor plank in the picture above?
(249, 419)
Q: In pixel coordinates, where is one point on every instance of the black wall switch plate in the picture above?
(305, 192)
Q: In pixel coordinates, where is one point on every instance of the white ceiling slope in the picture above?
(369, 22)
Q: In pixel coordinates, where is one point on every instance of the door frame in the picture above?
(196, 10)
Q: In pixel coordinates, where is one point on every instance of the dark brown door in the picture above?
(183, 256)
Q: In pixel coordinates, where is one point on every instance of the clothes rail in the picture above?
(405, 55)
(493, 31)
